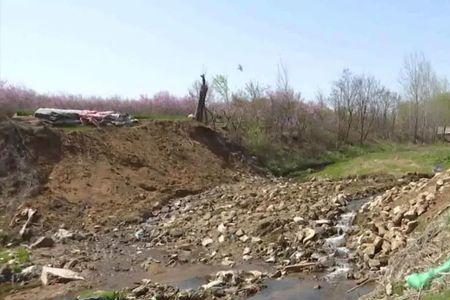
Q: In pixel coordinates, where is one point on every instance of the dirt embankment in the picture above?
(27, 155)
(92, 177)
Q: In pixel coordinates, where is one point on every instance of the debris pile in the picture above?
(280, 222)
(56, 116)
(388, 220)
(223, 285)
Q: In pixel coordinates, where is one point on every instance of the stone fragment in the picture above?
(299, 220)
(206, 242)
(410, 226)
(369, 249)
(374, 263)
(244, 238)
(239, 232)
(389, 289)
(410, 215)
(309, 234)
(256, 240)
(63, 234)
(221, 238)
(61, 275)
(140, 291)
(43, 242)
(221, 228)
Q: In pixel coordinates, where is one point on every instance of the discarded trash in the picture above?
(420, 280)
(56, 116)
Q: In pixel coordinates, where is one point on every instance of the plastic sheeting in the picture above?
(419, 281)
(57, 116)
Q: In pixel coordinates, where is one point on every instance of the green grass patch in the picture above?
(160, 117)
(398, 288)
(17, 256)
(24, 113)
(394, 159)
(444, 295)
(103, 295)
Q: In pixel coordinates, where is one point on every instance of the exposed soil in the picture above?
(111, 175)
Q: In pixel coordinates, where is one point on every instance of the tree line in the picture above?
(357, 110)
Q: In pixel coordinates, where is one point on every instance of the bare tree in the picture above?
(388, 113)
(200, 113)
(283, 83)
(419, 83)
(220, 84)
(254, 90)
(343, 97)
(367, 104)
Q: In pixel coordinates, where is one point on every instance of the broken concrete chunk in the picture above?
(207, 241)
(61, 275)
(239, 232)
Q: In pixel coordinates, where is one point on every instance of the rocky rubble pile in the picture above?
(389, 218)
(223, 285)
(277, 221)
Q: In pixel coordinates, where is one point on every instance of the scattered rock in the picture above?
(222, 228)
(207, 241)
(299, 220)
(309, 234)
(410, 226)
(389, 289)
(374, 263)
(140, 291)
(239, 232)
(60, 275)
(63, 234)
(43, 242)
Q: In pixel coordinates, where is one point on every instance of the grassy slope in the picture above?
(388, 158)
(444, 295)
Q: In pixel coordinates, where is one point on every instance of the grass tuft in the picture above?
(15, 257)
(103, 295)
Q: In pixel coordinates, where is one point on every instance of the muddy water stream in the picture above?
(302, 287)
(333, 283)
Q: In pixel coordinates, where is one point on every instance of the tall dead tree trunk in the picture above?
(201, 111)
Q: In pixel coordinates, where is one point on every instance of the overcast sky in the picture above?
(134, 47)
